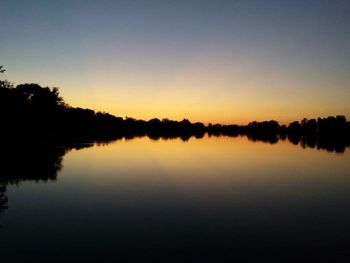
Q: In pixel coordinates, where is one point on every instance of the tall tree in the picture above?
(4, 83)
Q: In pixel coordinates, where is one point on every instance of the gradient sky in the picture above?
(210, 61)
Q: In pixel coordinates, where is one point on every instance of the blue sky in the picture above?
(210, 61)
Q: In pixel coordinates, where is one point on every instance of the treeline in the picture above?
(327, 126)
(331, 133)
(29, 109)
(40, 113)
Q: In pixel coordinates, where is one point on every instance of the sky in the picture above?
(211, 61)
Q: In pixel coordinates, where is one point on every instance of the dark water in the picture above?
(215, 199)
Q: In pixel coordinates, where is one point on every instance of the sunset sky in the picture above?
(210, 61)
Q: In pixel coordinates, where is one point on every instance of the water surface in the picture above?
(213, 199)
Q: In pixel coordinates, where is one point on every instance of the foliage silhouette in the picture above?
(40, 115)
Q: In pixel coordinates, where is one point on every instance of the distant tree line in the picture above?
(330, 133)
(40, 113)
(29, 109)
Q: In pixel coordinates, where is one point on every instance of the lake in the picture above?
(212, 199)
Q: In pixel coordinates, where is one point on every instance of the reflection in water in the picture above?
(141, 196)
(27, 162)
(328, 143)
(42, 162)
(3, 199)
(320, 142)
(30, 163)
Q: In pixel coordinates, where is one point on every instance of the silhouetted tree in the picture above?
(294, 127)
(4, 83)
(31, 112)
(309, 126)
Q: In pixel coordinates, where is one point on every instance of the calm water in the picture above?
(211, 199)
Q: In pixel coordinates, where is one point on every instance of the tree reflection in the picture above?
(337, 144)
(39, 162)
(3, 199)
(29, 162)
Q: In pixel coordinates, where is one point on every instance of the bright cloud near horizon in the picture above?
(210, 61)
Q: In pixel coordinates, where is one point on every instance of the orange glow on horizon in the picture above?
(206, 116)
